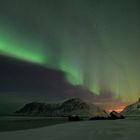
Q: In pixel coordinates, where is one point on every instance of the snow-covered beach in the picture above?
(127, 129)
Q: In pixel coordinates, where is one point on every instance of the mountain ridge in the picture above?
(72, 106)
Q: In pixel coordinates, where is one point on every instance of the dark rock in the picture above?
(74, 118)
(115, 115)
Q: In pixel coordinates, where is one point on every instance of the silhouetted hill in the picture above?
(73, 106)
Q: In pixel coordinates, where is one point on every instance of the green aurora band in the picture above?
(95, 43)
(21, 50)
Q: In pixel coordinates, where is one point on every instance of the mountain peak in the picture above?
(74, 100)
(72, 106)
(132, 109)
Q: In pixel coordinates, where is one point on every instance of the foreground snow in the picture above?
(84, 130)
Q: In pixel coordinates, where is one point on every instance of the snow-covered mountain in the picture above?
(73, 106)
(133, 109)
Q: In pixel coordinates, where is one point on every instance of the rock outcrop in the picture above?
(116, 115)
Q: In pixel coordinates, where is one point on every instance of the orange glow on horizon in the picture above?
(119, 109)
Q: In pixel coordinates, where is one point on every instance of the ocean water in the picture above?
(8, 123)
(125, 129)
(14, 123)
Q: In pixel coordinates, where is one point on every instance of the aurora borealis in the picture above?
(95, 42)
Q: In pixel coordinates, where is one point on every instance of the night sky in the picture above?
(92, 44)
